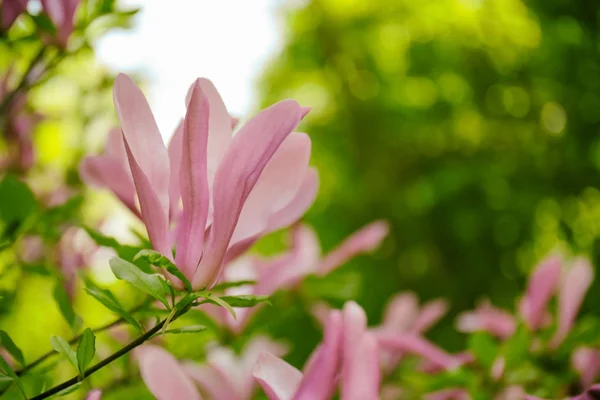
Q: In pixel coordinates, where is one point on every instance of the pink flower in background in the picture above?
(225, 375)
(570, 284)
(74, 251)
(94, 395)
(403, 315)
(234, 189)
(487, 318)
(61, 13)
(586, 361)
(10, 11)
(18, 127)
(287, 270)
(228, 376)
(348, 352)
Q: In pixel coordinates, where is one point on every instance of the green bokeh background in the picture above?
(470, 125)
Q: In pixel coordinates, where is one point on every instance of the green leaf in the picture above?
(155, 258)
(11, 347)
(485, 349)
(226, 285)
(187, 329)
(245, 300)
(102, 240)
(210, 298)
(109, 301)
(151, 284)
(5, 378)
(64, 305)
(64, 348)
(516, 349)
(86, 350)
(17, 201)
(7, 369)
(44, 23)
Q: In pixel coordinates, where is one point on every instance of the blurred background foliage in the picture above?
(472, 125)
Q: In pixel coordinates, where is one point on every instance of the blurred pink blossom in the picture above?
(348, 352)
(61, 13)
(287, 270)
(10, 11)
(586, 361)
(225, 375)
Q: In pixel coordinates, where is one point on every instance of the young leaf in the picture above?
(86, 350)
(64, 305)
(485, 349)
(245, 300)
(11, 347)
(64, 348)
(210, 298)
(155, 258)
(5, 378)
(187, 329)
(226, 285)
(109, 301)
(17, 201)
(151, 284)
(7, 369)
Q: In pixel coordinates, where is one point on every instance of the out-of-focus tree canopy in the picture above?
(472, 125)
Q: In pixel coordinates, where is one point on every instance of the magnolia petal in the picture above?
(210, 381)
(364, 240)
(155, 217)
(278, 379)
(419, 346)
(241, 167)
(429, 315)
(94, 395)
(586, 361)
(489, 319)
(277, 186)
(220, 127)
(290, 268)
(193, 183)
(400, 313)
(360, 368)
(104, 171)
(591, 393)
(541, 287)
(142, 136)
(321, 370)
(573, 287)
(163, 375)
(175, 149)
(299, 205)
(10, 11)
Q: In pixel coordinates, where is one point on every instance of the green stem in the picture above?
(101, 364)
(75, 339)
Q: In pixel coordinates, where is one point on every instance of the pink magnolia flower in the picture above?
(287, 270)
(61, 12)
(570, 283)
(74, 251)
(449, 394)
(586, 361)
(10, 11)
(18, 126)
(94, 395)
(348, 351)
(487, 318)
(403, 315)
(234, 189)
(228, 376)
(542, 286)
(224, 376)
